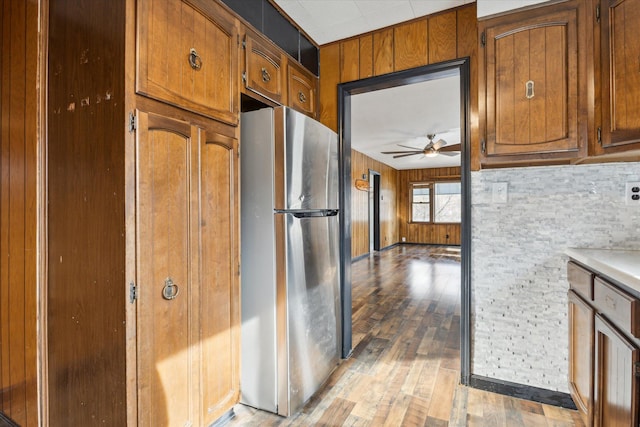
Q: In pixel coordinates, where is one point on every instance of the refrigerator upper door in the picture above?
(306, 154)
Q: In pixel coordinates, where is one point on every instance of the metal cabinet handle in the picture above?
(528, 87)
(301, 97)
(170, 290)
(194, 59)
(266, 77)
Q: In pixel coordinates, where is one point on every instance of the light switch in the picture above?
(500, 192)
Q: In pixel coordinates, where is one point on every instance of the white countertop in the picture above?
(618, 264)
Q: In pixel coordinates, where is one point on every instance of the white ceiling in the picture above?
(330, 20)
(382, 119)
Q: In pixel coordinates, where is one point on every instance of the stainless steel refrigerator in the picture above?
(290, 258)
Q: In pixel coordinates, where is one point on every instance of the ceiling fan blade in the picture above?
(449, 153)
(405, 155)
(412, 148)
(438, 144)
(401, 152)
(452, 147)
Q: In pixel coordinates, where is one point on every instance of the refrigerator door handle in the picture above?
(314, 214)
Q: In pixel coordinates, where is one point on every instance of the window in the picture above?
(421, 203)
(439, 202)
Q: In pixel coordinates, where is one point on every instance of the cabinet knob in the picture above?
(266, 77)
(301, 97)
(170, 290)
(194, 59)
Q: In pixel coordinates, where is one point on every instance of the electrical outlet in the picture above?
(500, 192)
(632, 193)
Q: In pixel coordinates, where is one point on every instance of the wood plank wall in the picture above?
(18, 220)
(435, 38)
(360, 164)
(424, 233)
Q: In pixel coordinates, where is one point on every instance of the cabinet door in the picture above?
(187, 262)
(581, 318)
(219, 302)
(533, 90)
(166, 255)
(620, 80)
(187, 56)
(617, 360)
(264, 72)
(302, 90)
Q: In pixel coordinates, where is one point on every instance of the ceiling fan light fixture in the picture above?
(431, 154)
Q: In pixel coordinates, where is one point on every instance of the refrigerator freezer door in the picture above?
(313, 308)
(307, 154)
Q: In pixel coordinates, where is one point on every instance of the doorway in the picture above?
(374, 211)
(458, 67)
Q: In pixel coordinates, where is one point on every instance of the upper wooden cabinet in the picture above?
(302, 90)
(532, 73)
(264, 71)
(619, 47)
(187, 56)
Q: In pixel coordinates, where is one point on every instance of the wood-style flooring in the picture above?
(405, 367)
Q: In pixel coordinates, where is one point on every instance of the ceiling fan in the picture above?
(432, 149)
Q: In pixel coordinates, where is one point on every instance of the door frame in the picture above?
(459, 67)
(374, 211)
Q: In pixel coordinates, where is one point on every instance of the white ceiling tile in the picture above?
(399, 12)
(490, 7)
(427, 7)
(331, 12)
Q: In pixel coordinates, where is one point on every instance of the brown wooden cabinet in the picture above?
(581, 316)
(619, 46)
(187, 56)
(187, 314)
(531, 71)
(604, 358)
(617, 362)
(264, 68)
(302, 90)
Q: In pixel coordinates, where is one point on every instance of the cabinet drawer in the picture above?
(263, 69)
(302, 90)
(580, 280)
(187, 56)
(618, 306)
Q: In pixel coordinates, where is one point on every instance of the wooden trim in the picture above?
(521, 391)
(41, 208)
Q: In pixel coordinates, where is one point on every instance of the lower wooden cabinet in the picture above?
(580, 356)
(187, 279)
(617, 361)
(604, 353)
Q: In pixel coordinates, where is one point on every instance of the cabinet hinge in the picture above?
(598, 13)
(244, 76)
(599, 136)
(636, 368)
(133, 292)
(133, 122)
(483, 146)
(483, 39)
(244, 42)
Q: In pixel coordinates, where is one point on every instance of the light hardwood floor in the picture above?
(404, 370)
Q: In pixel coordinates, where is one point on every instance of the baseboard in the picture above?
(521, 391)
(6, 421)
(224, 419)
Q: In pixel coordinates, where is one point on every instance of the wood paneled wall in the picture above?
(360, 164)
(419, 232)
(18, 220)
(436, 38)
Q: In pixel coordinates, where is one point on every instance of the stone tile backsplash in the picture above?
(519, 278)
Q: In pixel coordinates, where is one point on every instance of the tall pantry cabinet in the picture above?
(142, 303)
